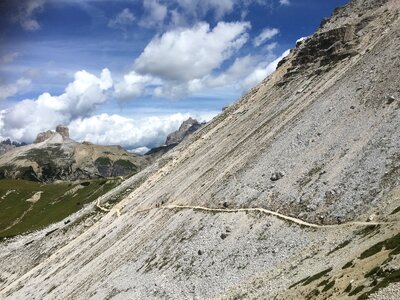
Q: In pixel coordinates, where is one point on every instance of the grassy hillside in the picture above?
(26, 206)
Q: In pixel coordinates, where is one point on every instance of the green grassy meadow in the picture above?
(57, 201)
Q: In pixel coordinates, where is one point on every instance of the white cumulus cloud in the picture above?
(194, 10)
(247, 71)
(236, 72)
(8, 90)
(186, 54)
(265, 35)
(131, 133)
(186, 61)
(155, 13)
(28, 117)
(174, 90)
(262, 71)
(132, 86)
(199, 8)
(284, 2)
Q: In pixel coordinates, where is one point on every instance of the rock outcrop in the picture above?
(63, 130)
(43, 136)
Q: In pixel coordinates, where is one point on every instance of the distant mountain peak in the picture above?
(187, 128)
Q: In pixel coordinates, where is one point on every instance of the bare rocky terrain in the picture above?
(291, 193)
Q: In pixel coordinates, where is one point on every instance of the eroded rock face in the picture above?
(327, 47)
(43, 136)
(63, 130)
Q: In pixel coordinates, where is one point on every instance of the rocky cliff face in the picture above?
(54, 156)
(63, 130)
(43, 136)
(291, 193)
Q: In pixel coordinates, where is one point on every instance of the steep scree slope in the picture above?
(318, 141)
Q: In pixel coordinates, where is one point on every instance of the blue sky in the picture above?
(144, 65)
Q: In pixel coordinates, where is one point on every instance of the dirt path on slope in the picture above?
(269, 212)
(257, 209)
